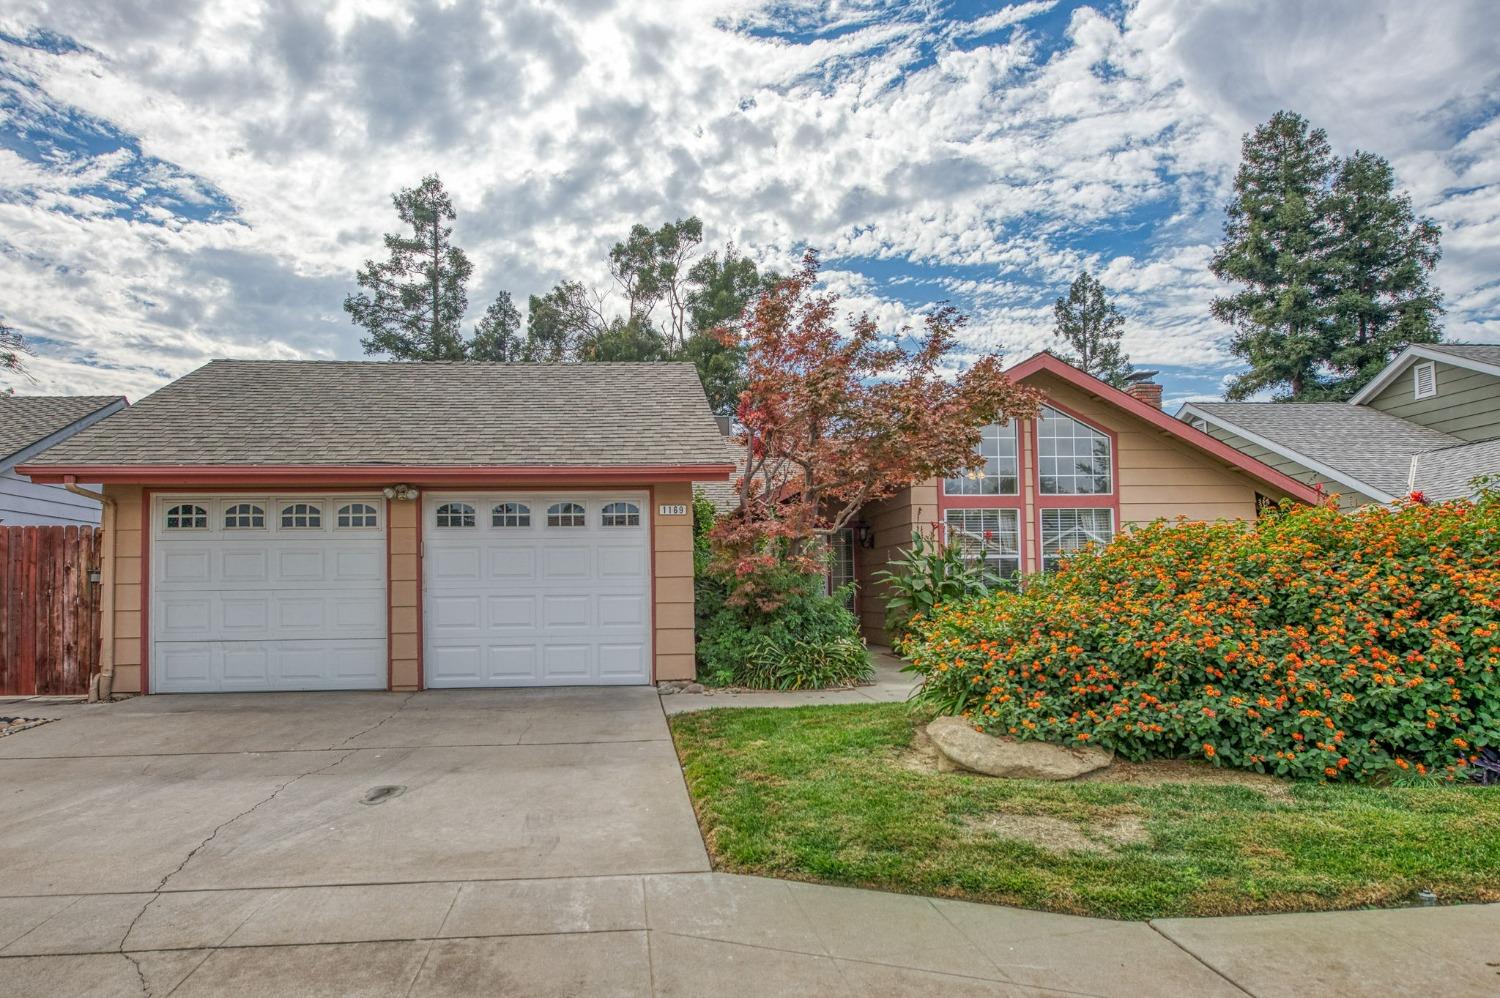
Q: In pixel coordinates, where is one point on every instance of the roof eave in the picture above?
(1393, 370)
(1169, 425)
(378, 474)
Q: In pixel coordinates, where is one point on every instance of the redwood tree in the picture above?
(836, 415)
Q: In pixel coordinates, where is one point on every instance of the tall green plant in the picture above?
(926, 576)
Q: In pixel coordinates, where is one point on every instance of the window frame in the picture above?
(1041, 523)
(466, 512)
(1002, 513)
(1109, 439)
(843, 556)
(579, 512)
(312, 510)
(631, 512)
(1015, 437)
(198, 513)
(347, 509)
(1417, 394)
(510, 508)
(231, 509)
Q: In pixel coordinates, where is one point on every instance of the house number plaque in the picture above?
(665, 510)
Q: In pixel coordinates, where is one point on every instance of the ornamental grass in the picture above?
(1309, 643)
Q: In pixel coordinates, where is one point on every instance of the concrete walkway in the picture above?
(891, 684)
(540, 843)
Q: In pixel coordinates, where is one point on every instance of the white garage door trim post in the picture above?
(515, 600)
(262, 606)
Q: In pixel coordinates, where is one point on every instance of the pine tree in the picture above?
(1379, 265)
(498, 334)
(1274, 246)
(1091, 326)
(416, 299)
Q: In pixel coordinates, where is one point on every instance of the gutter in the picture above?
(102, 685)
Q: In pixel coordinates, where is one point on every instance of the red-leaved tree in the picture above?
(835, 416)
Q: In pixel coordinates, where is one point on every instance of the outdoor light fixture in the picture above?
(865, 534)
(402, 493)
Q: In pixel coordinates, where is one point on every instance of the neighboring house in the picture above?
(1429, 422)
(1097, 461)
(29, 424)
(294, 525)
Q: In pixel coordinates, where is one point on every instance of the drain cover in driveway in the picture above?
(379, 795)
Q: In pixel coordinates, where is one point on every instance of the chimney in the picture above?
(1143, 388)
(726, 423)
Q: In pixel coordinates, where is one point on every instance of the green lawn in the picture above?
(829, 794)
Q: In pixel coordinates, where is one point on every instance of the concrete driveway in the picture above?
(541, 843)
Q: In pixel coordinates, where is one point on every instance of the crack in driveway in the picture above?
(366, 731)
(162, 884)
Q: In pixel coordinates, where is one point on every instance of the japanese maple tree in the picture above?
(836, 415)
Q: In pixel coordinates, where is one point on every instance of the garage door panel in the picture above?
(512, 612)
(450, 564)
(572, 562)
(567, 611)
(267, 608)
(245, 616)
(512, 563)
(300, 564)
(553, 598)
(453, 613)
(562, 661)
(622, 611)
(179, 566)
(245, 567)
(359, 566)
(621, 661)
(621, 563)
(186, 667)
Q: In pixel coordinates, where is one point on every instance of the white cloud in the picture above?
(991, 158)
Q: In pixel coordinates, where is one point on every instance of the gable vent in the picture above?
(1424, 380)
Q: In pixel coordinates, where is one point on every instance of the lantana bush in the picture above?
(1311, 643)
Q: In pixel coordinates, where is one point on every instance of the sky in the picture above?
(191, 180)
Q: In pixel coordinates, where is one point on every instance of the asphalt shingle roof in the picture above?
(25, 419)
(1371, 446)
(1484, 353)
(254, 412)
(1446, 473)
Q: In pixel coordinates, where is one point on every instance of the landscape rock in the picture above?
(693, 688)
(958, 742)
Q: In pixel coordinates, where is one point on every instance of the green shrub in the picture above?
(1310, 643)
(925, 576)
(810, 641)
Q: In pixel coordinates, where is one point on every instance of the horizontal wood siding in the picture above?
(1349, 498)
(893, 521)
(1158, 476)
(49, 612)
(25, 503)
(1467, 404)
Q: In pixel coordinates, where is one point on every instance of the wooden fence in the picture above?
(49, 610)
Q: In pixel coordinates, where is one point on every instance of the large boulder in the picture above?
(958, 742)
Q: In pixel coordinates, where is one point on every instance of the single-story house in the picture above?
(1096, 461)
(301, 525)
(29, 424)
(1429, 423)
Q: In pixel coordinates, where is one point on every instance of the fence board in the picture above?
(49, 610)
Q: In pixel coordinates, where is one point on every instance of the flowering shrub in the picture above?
(1310, 643)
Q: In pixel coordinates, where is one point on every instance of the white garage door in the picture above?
(267, 593)
(531, 589)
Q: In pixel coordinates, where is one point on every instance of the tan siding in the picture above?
(1467, 404)
(126, 582)
(672, 540)
(404, 612)
(893, 521)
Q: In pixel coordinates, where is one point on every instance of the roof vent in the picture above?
(1424, 380)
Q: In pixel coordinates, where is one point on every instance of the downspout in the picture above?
(102, 686)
